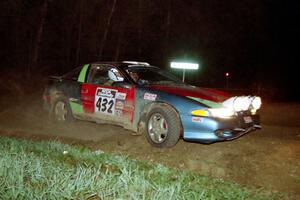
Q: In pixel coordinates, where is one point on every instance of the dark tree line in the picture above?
(52, 36)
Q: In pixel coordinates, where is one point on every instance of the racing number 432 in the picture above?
(105, 105)
(105, 100)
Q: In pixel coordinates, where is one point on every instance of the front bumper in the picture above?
(208, 130)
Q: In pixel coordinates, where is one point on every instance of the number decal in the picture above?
(98, 104)
(105, 101)
(111, 104)
(103, 105)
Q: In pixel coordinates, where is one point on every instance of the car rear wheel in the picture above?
(163, 126)
(61, 111)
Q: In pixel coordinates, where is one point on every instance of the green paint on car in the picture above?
(82, 74)
(208, 103)
(76, 108)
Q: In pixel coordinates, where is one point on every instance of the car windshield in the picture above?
(152, 75)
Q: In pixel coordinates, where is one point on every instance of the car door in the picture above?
(106, 99)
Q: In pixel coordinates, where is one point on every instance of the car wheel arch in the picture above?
(143, 116)
(54, 94)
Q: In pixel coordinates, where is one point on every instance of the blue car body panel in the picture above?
(197, 129)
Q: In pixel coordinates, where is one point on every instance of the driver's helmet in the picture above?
(114, 75)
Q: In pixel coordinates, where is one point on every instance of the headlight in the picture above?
(256, 103)
(221, 112)
(241, 103)
(214, 112)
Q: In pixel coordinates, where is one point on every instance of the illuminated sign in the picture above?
(184, 65)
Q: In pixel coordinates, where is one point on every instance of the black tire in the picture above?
(163, 126)
(60, 104)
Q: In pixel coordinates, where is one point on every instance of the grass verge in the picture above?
(52, 170)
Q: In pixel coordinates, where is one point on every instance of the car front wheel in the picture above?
(163, 126)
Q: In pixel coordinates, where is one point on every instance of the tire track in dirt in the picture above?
(268, 158)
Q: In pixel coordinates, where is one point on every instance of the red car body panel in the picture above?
(203, 93)
(88, 92)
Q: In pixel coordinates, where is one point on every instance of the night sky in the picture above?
(256, 41)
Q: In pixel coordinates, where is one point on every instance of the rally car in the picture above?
(149, 101)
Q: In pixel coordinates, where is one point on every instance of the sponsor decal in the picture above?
(121, 96)
(104, 92)
(196, 119)
(105, 100)
(149, 96)
(120, 104)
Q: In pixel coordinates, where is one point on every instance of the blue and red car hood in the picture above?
(192, 91)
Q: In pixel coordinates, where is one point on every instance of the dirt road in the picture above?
(269, 158)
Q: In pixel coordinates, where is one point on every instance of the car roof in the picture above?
(124, 64)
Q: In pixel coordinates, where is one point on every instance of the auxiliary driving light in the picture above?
(241, 103)
(256, 103)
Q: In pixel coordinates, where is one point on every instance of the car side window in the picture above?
(102, 75)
